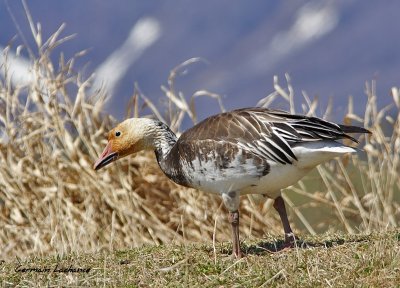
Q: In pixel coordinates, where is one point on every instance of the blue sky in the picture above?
(329, 48)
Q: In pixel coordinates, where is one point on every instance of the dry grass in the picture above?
(52, 201)
(319, 261)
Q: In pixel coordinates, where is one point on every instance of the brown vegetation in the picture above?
(51, 200)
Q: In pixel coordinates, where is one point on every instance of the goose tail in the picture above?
(353, 129)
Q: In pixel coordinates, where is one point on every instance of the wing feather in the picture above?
(267, 133)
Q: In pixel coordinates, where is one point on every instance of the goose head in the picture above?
(128, 137)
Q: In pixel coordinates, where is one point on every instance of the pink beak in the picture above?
(106, 157)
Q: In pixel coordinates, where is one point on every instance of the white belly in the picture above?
(280, 177)
(241, 177)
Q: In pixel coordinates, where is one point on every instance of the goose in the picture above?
(244, 151)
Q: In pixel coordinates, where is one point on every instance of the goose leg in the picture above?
(279, 206)
(231, 200)
(234, 220)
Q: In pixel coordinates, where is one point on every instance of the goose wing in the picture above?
(265, 133)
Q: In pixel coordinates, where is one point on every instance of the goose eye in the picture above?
(118, 133)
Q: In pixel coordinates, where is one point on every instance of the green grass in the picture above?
(326, 260)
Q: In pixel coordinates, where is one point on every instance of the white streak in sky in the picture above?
(313, 20)
(143, 34)
(18, 68)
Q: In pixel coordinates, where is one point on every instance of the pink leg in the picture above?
(234, 220)
(279, 206)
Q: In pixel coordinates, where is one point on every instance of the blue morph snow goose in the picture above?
(245, 151)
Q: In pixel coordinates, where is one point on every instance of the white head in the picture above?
(128, 137)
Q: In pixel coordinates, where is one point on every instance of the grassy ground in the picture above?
(326, 260)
